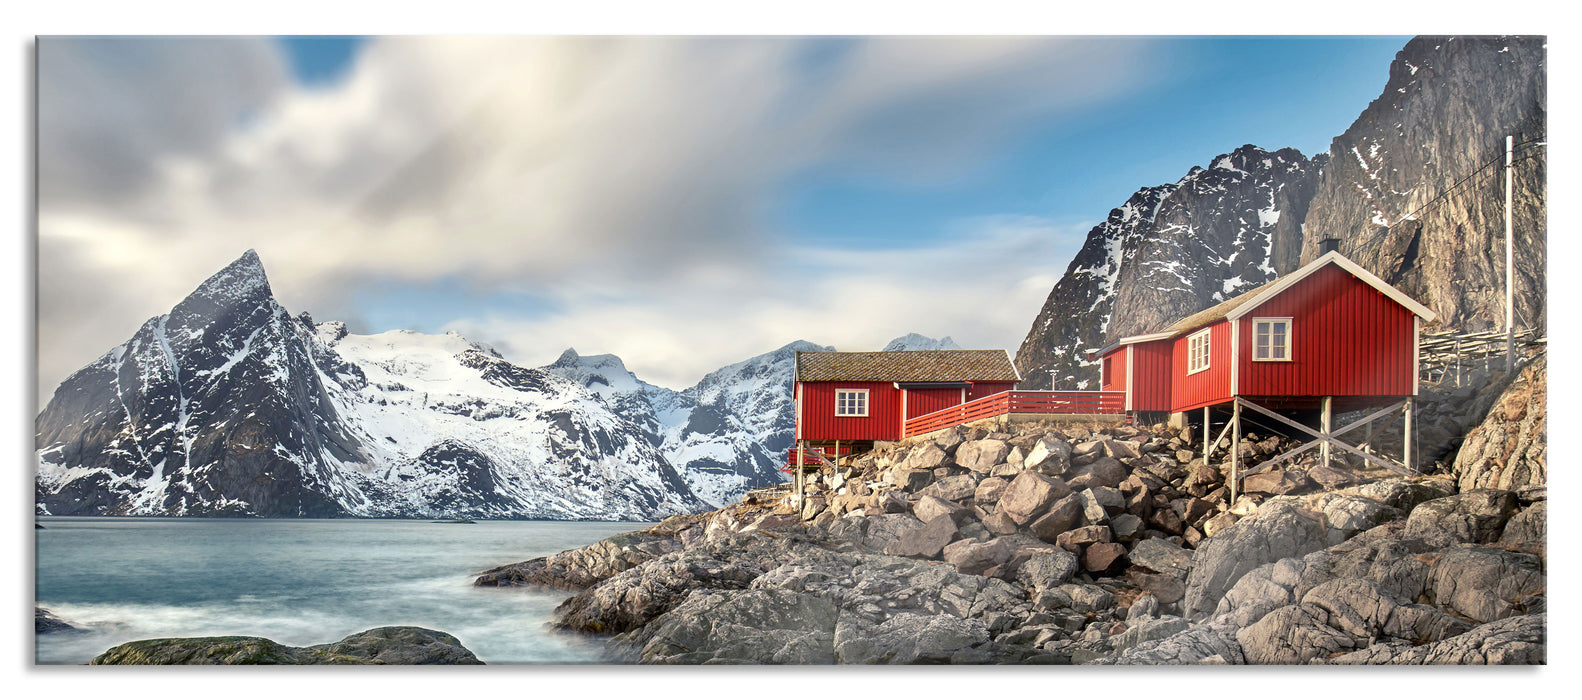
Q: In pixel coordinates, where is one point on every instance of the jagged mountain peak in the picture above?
(243, 278)
(916, 341)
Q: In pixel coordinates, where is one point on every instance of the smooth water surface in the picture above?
(301, 582)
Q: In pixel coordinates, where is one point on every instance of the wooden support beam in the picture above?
(1330, 438)
(1235, 447)
(1323, 427)
(1408, 436)
(1208, 445)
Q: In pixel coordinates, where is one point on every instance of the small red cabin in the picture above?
(1330, 329)
(860, 397)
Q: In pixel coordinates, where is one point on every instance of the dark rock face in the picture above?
(45, 622)
(380, 646)
(1169, 251)
(1444, 113)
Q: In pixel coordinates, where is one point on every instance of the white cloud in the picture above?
(639, 169)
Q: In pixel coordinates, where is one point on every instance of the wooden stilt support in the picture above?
(1409, 436)
(801, 456)
(1235, 454)
(1323, 427)
(1208, 437)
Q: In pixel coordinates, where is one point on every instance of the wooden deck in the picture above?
(1014, 402)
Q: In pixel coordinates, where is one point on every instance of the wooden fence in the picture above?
(1450, 356)
(1008, 402)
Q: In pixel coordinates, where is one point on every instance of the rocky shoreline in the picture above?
(1072, 544)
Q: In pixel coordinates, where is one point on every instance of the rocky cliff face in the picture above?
(1169, 251)
(1391, 189)
(1391, 192)
(228, 405)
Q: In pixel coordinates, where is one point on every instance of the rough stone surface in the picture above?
(952, 488)
(924, 540)
(929, 507)
(380, 646)
(577, 569)
(1162, 557)
(1029, 494)
(981, 455)
(1279, 529)
(1472, 516)
(1047, 569)
(1510, 448)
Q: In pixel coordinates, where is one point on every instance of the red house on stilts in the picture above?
(1329, 336)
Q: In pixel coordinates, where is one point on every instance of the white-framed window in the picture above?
(1198, 351)
(851, 402)
(1271, 339)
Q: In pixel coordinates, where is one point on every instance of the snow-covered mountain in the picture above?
(913, 341)
(726, 435)
(228, 405)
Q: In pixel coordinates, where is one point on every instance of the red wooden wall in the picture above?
(1347, 339)
(1151, 375)
(1116, 381)
(923, 401)
(1211, 386)
(818, 420)
(982, 389)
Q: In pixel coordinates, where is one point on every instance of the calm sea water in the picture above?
(300, 582)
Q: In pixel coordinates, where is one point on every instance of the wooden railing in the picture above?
(1007, 402)
(813, 454)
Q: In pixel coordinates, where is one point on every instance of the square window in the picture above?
(1271, 339)
(851, 402)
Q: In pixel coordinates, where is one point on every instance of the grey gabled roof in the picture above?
(906, 366)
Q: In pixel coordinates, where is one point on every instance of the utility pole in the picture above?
(1510, 295)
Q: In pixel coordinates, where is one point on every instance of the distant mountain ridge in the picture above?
(1431, 140)
(230, 406)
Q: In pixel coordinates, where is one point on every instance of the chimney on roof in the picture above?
(1328, 245)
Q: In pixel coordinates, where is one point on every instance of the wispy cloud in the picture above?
(632, 179)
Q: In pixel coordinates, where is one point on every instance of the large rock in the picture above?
(970, 557)
(754, 626)
(1486, 584)
(1163, 557)
(1279, 529)
(1104, 471)
(1473, 517)
(952, 488)
(45, 622)
(1049, 456)
(926, 540)
(1278, 482)
(927, 457)
(1528, 530)
(380, 646)
(1047, 569)
(1510, 448)
(929, 507)
(578, 569)
(1065, 514)
(981, 455)
(1029, 494)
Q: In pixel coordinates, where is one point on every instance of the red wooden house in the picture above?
(859, 397)
(1329, 336)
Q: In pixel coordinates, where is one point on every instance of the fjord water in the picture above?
(301, 582)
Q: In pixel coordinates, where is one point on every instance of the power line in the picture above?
(1447, 191)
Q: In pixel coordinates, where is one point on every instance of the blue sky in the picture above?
(681, 202)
